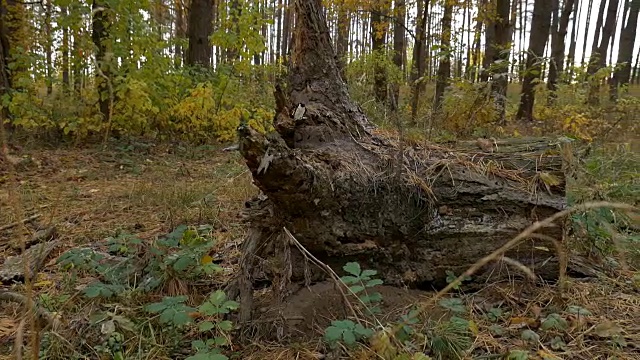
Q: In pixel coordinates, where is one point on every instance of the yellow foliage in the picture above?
(133, 107)
(467, 107)
(198, 115)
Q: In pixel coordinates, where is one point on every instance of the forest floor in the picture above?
(90, 195)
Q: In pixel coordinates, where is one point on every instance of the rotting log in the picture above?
(347, 193)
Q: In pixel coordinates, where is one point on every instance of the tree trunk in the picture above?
(398, 50)
(419, 54)
(500, 62)
(180, 34)
(636, 69)
(65, 52)
(378, 46)
(489, 39)
(286, 31)
(622, 73)
(444, 68)
(574, 37)
(200, 27)
(100, 35)
(597, 33)
(557, 48)
(411, 212)
(476, 41)
(48, 47)
(343, 38)
(598, 58)
(78, 61)
(540, 24)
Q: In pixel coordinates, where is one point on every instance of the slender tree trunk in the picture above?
(180, 33)
(49, 47)
(523, 34)
(622, 73)
(540, 24)
(476, 41)
(343, 38)
(512, 36)
(500, 63)
(557, 48)
(444, 68)
(398, 50)
(78, 61)
(489, 39)
(574, 37)
(100, 35)
(199, 29)
(378, 44)
(636, 69)
(460, 47)
(598, 59)
(278, 23)
(64, 49)
(419, 53)
(286, 31)
(588, 23)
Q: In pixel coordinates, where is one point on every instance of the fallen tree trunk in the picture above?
(410, 212)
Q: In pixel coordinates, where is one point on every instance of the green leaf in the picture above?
(225, 325)
(454, 304)
(181, 318)
(352, 268)
(554, 322)
(182, 264)
(348, 337)
(374, 282)
(518, 355)
(333, 334)
(156, 307)
(218, 297)
(206, 326)
(497, 330)
(350, 280)
(357, 289)
(574, 309)
(558, 344)
(530, 336)
(207, 308)
(368, 273)
(231, 305)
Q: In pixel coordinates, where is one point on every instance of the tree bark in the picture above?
(65, 52)
(411, 212)
(557, 49)
(598, 58)
(180, 34)
(444, 68)
(419, 54)
(379, 27)
(488, 11)
(476, 42)
(398, 50)
(571, 56)
(500, 63)
(343, 38)
(622, 72)
(100, 35)
(48, 47)
(200, 27)
(540, 24)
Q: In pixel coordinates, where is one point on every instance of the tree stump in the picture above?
(347, 193)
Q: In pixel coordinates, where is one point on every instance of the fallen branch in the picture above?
(20, 222)
(43, 314)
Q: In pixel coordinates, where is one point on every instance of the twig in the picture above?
(333, 275)
(10, 296)
(20, 222)
(323, 266)
(18, 343)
